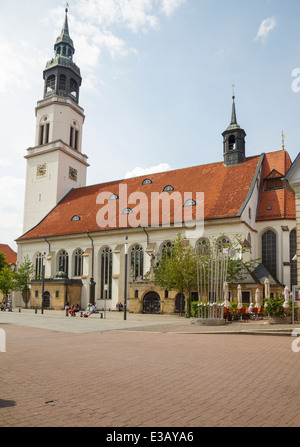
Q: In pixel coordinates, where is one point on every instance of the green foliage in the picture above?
(6, 281)
(177, 269)
(233, 306)
(22, 278)
(274, 306)
(3, 263)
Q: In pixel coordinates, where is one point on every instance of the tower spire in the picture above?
(233, 115)
(234, 139)
(62, 76)
(64, 38)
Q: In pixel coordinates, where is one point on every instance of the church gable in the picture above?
(276, 201)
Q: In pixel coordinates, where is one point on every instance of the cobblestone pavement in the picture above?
(155, 377)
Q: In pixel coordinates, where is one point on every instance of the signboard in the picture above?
(296, 294)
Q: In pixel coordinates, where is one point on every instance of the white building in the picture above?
(80, 230)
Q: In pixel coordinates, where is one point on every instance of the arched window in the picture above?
(78, 263)
(73, 88)
(62, 85)
(106, 273)
(50, 84)
(202, 246)
(223, 242)
(63, 262)
(293, 251)
(137, 262)
(166, 247)
(269, 257)
(38, 266)
(231, 142)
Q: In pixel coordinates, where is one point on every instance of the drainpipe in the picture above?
(147, 236)
(92, 282)
(48, 245)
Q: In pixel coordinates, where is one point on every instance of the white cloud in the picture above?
(95, 27)
(12, 204)
(15, 63)
(133, 14)
(265, 28)
(4, 163)
(169, 6)
(137, 172)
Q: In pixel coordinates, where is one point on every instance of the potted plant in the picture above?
(234, 312)
(273, 308)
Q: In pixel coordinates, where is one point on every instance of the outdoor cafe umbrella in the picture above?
(257, 298)
(239, 296)
(267, 288)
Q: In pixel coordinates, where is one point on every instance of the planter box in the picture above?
(279, 320)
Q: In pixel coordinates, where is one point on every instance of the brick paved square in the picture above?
(147, 379)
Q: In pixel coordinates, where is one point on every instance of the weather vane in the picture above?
(233, 92)
(67, 6)
(283, 137)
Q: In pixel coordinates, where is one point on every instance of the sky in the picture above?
(157, 83)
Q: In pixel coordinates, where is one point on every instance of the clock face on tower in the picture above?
(41, 170)
(73, 174)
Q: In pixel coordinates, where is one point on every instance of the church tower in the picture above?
(56, 164)
(234, 141)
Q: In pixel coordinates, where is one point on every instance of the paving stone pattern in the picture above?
(119, 378)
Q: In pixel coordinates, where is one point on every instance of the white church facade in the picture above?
(66, 225)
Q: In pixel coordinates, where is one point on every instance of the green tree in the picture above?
(3, 263)
(177, 269)
(184, 269)
(6, 281)
(22, 278)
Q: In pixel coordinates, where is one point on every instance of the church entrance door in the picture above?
(151, 304)
(46, 300)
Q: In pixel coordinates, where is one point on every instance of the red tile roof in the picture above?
(10, 255)
(279, 203)
(225, 192)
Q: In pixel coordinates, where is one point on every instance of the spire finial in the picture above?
(67, 6)
(233, 116)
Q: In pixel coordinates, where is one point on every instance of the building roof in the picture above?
(226, 191)
(10, 255)
(277, 203)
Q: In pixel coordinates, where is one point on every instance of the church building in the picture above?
(78, 234)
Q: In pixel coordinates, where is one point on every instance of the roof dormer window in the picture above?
(271, 184)
(114, 197)
(147, 181)
(75, 218)
(127, 211)
(168, 188)
(190, 202)
(273, 181)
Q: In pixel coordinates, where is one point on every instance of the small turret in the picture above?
(234, 141)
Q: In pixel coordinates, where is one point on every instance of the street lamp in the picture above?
(43, 282)
(125, 280)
